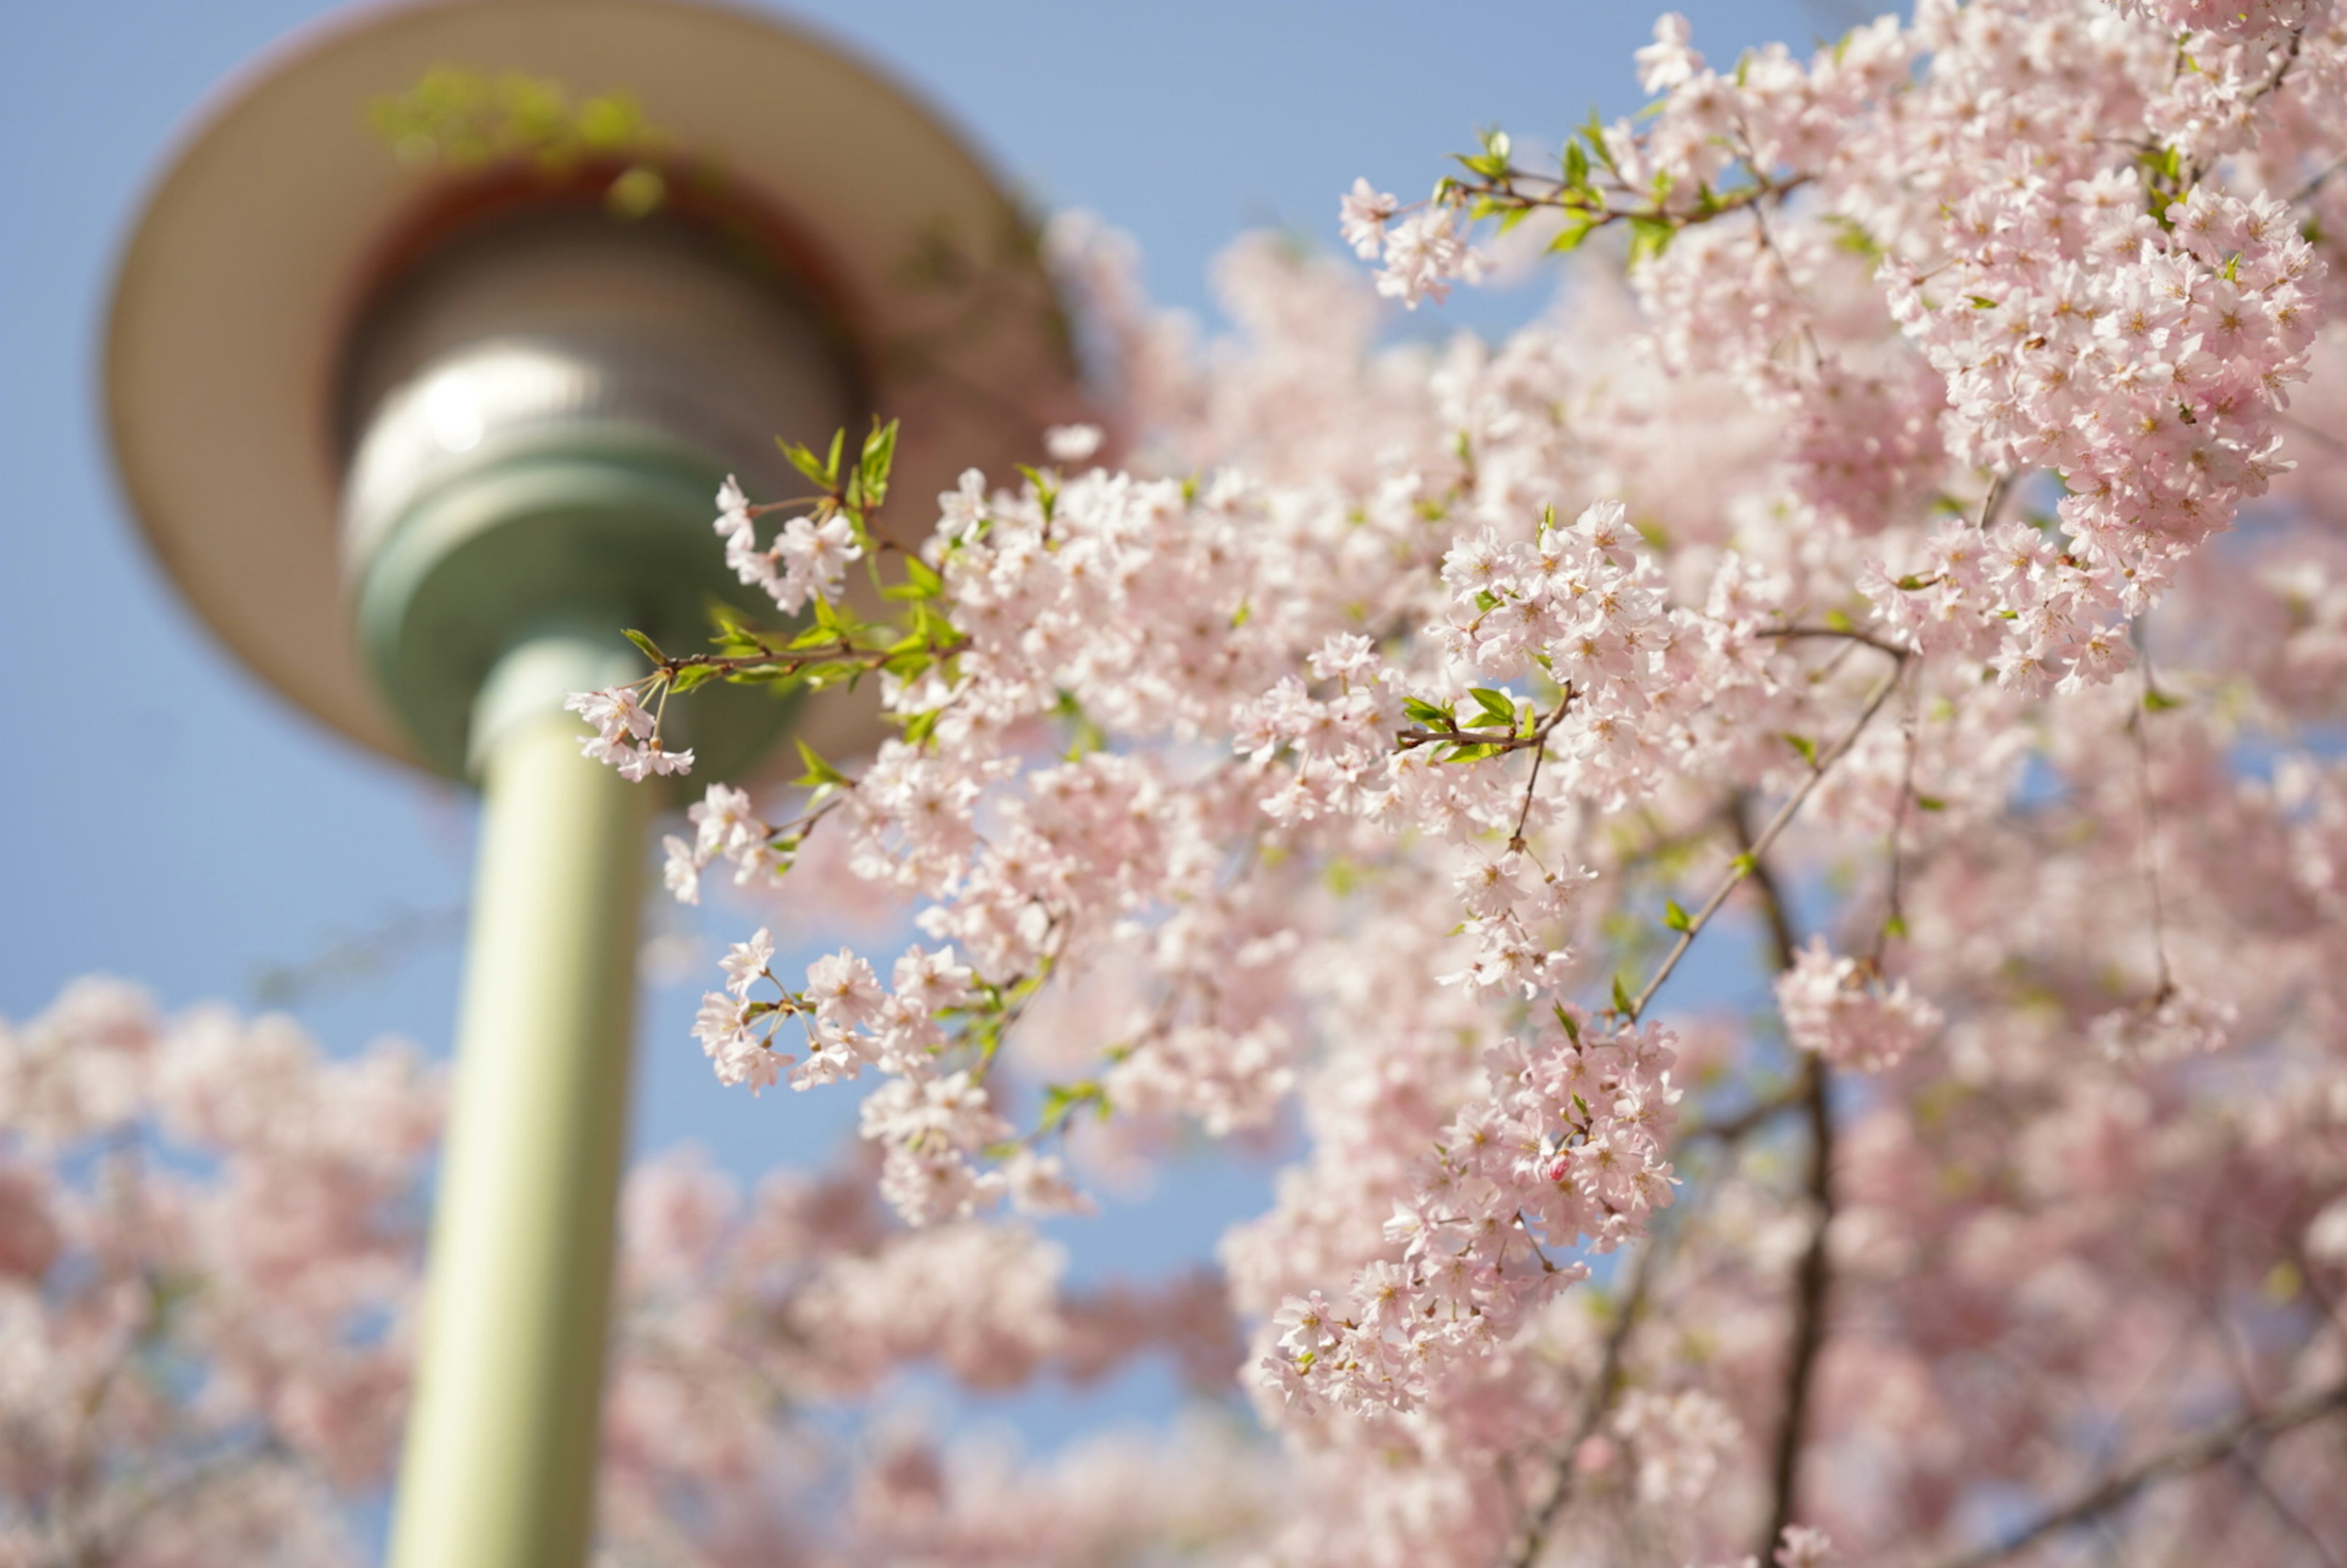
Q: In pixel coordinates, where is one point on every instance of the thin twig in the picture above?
(1894, 912)
(2282, 71)
(1502, 742)
(2321, 178)
(1767, 836)
(790, 661)
(2279, 1506)
(2149, 806)
(2199, 1451)
(1840, 634)
(1594, 1405)
(1992, 503)
(1739, 1125)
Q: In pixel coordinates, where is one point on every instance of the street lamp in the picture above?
(419, 444)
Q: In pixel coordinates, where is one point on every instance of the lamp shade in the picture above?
(285, 218)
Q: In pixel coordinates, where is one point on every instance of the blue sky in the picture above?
(171, 821)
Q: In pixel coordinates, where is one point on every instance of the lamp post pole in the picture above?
(501, 1441)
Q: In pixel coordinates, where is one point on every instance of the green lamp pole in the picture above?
(501, 1442)
(419, 445)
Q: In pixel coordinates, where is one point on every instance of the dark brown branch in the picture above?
(2214, 1445)
(1783, 946)
(1813, 1284)
(1599, 1400)
(1813, 1277)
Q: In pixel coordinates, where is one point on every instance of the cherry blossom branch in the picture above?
(783, 663)
(2321, 178)
(1841, 633)
(1501, 741)
(2213, 1446)
(1813, 1280)
(1745, 863)
(1594, 1405)
(2282, 70)
(2194, 172)
(1508, 192)
(1741, 1124)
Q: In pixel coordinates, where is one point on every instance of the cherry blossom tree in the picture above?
(1907, 561)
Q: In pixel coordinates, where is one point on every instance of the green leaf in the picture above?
(1061, 1099)
(805, 461)
(691, 676)
(1577, 228)
(1896, 925)
(1469, 752)
(1744, 864)
(1498, 706)
(1576, 167)
(647, 647)
(831, 464)
(813, 637)
(1572, 1028)
(2158, 702)
(1649, 236)
(1485, 599)
(920, 581)
(879, 456)
(1910, 583)
(1427, 715)
(1593, 133)
(1677, 918)
(1981, 302)
(1851, 235)
(1930, 803)
(1803, 744)
(818, 772)
(1621, 997)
